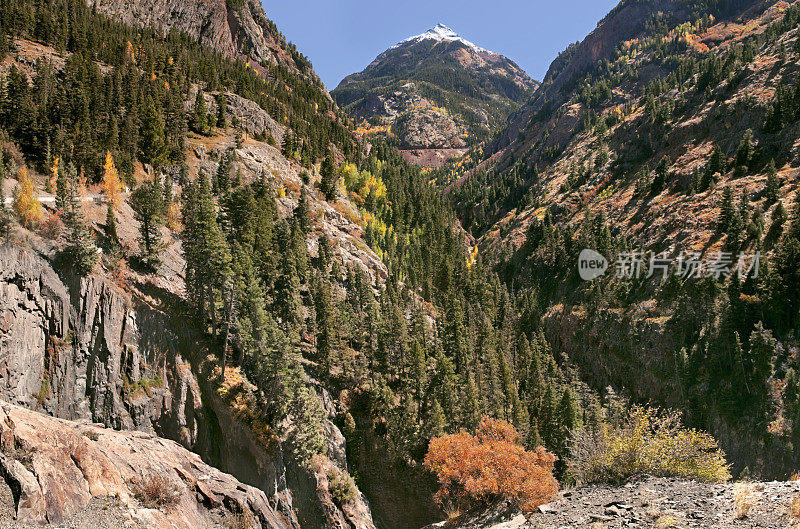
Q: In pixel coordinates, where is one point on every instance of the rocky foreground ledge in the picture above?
(653, 503)
(80, 475)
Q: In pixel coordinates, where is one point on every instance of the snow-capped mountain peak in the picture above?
(442, 33)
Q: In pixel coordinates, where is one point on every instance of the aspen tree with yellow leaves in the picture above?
(27, 207)
(112, 187)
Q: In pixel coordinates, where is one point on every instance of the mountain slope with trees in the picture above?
(303, 286)
(671, 129)
(435, 92)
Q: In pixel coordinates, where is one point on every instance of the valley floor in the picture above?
(655, 503)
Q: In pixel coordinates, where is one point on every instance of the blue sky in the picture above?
(343, 36)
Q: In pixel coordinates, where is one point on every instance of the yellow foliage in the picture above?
(112, 186)
(743, 500)
(52, 182)
(472, 257)
(794, 508)
(652, 443)
(173, 220)
(26, 203)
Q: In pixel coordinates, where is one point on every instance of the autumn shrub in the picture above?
(794, 508)
(475, 470)
(743, 500)
(155, 491)
(648, 442)
(341, 486)
(52, 227)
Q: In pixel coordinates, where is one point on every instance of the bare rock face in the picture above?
(55, 467)
(234, 27)
(89, 351)
(428, 129)
(85, 350)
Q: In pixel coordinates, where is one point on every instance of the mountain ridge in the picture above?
(434, 94)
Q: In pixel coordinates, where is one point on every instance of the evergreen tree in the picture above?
(772, 187)
(760, 358)
(302, 212)
(80, 252)
(152, 141)
(200, 114)
(729, 216)
(436, 423)
(307, 437)
(208, 257)
(112, 244)
(222, 105)
(327, 328)
(329, 185)
(661, 174)
(147, 202)
(222, 182)
(744, 154)
(5, 216)
(471, 411)
(287, 284)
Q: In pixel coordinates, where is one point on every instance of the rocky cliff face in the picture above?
(85, 350)
(435, 91)
(234, 27)
(55, 468)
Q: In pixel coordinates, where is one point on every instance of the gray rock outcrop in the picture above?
(82, 349)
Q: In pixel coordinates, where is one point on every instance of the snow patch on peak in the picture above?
(442, 33)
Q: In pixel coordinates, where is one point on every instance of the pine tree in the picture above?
(80, 252)
(147, 202)
(222, 182)
(327, 331)
(307, 438)
(287, 283)
(302, 212)
(289, 145)
(207, 254)
(661, 174)
(111, 238)
(152, 140)
(760, 356)
(744, 154)
(446, 384)
(5, 217)
(772, 187)
(329, 184)
(200, 114)
(727, 218)
(222, 104)
(471, 411)
(436, 422)
(418, 372)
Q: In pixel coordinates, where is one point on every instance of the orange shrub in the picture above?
(478, 469)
